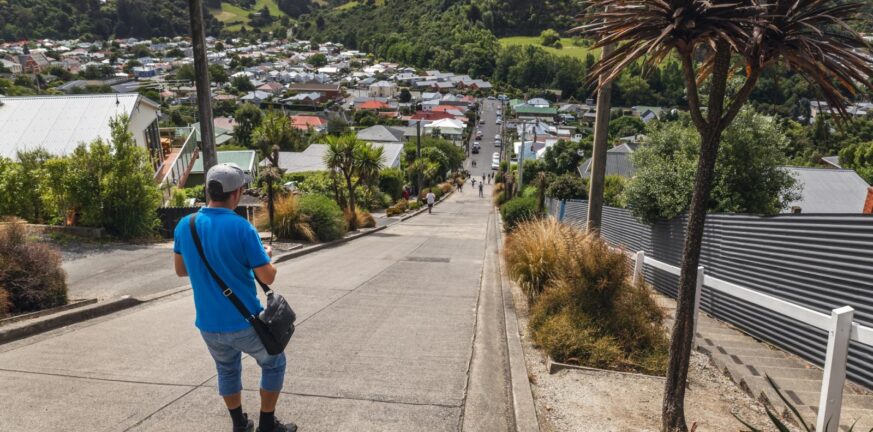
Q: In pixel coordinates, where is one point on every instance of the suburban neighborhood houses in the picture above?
(424, 216)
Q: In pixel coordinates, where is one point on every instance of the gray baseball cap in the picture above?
(229, 175)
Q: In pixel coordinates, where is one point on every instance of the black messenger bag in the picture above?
(275, 324)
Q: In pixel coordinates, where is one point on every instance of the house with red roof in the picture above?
(304, 122)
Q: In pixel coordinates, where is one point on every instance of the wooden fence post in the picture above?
(639, 261)
(701, 275)
(831, 399)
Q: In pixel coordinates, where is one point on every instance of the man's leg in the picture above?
(228, 363)
(272, 379)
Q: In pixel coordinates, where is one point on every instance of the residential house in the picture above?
(11, 66)
(382, 134)
(271, 87)
(312, 159)
(330, 91)
(618, 162)
(256, 97)
(535, 112)
(384, 89)
(305, 122)
(450, 129)
(58, 124)
(827, 190)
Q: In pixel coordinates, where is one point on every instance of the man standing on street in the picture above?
(431, 199)
(232, 245)
(481, 194)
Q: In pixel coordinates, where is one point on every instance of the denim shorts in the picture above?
(227, 349)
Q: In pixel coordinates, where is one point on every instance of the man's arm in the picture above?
(179, 264)
(266, 273)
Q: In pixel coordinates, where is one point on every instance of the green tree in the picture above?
(242, 83)
(549, 38)
(248, 118)
(358, 162)
(186, 72)
(317, 60)
(405, 96)
(217, 74)
(564, 157)
(626, 126)
(812, 38)
(276, 130)
(749, 177)
(566, 187)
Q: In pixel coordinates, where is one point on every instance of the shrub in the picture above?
(518, 210)
(584, 308)
(387, 200)
(31, 276)
(365, 219)
(414, 205)
(391, 182)
(445, 188)
(535, 250)
(5, 304)
(566, 187)
(289, 220)
(325, 217)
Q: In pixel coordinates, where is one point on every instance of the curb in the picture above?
(523, 406)
(34, 315)
(315, 248)
(65, 319)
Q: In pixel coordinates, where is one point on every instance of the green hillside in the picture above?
(234, 17)
(568, 49)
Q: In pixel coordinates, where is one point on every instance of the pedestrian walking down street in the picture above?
(481, 194)
(431, 199)
(473, 181)
(232, 241)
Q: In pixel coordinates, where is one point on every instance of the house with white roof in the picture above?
(384, 89)
(58, 124)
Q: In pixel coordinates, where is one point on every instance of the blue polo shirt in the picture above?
(233, 248)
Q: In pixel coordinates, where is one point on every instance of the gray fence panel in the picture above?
(818, 261)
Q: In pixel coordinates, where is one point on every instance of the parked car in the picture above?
(496, 137)
(476, 147)
(495, 164)
(481, 121)
(498, 143)
(498, 122)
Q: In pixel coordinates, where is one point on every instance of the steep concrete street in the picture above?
(397, 331)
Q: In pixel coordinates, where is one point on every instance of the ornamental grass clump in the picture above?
(31, 277)
(289, 222)
(325, 217)
(534, 253)
(584, 309)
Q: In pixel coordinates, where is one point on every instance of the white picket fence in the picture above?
(839, 325)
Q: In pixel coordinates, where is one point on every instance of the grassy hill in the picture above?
(568, 49)
(234, 17)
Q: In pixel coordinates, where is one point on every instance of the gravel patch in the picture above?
(603, 401)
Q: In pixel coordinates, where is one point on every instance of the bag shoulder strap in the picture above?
(225, 289)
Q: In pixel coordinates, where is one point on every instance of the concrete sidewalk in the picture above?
(385, 338)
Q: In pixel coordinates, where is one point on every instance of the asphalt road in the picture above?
(489, 130)
(114, 270)
(402, 330)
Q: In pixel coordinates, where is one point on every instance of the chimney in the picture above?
(868, 204)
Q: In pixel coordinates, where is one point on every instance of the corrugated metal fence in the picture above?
(818, 261)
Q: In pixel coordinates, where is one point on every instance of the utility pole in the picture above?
(521, 158)
(204, 93)
(418, 153)
(598, 163)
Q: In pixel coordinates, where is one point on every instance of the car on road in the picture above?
(481, 121)
(498, 143)
(491, 98)
(495, 164)
(476, 147)
(498, 122)
(495, 155)
(478, 135)
(496, 137)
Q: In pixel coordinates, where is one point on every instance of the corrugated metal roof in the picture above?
(59, 124)
(245, 159)
(380, 133)
(827, 190)
(312, 159)
(616, 164)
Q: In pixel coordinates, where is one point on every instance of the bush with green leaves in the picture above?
(391, 181)
(324, 216)
(749, 174)
(105, 184)
(31, 276)
(567, 187)
(518, 210)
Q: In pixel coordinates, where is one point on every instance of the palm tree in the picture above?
(719, 40)
(358, 162)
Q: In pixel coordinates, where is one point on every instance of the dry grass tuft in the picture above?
(31, 276)
(584, 308)
(288, 221)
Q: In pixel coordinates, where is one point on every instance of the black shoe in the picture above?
(280, 427)
(249, 427)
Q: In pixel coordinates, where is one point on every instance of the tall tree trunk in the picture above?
(596, 182)
(673, 407)
(204, 93)
(353, 219)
